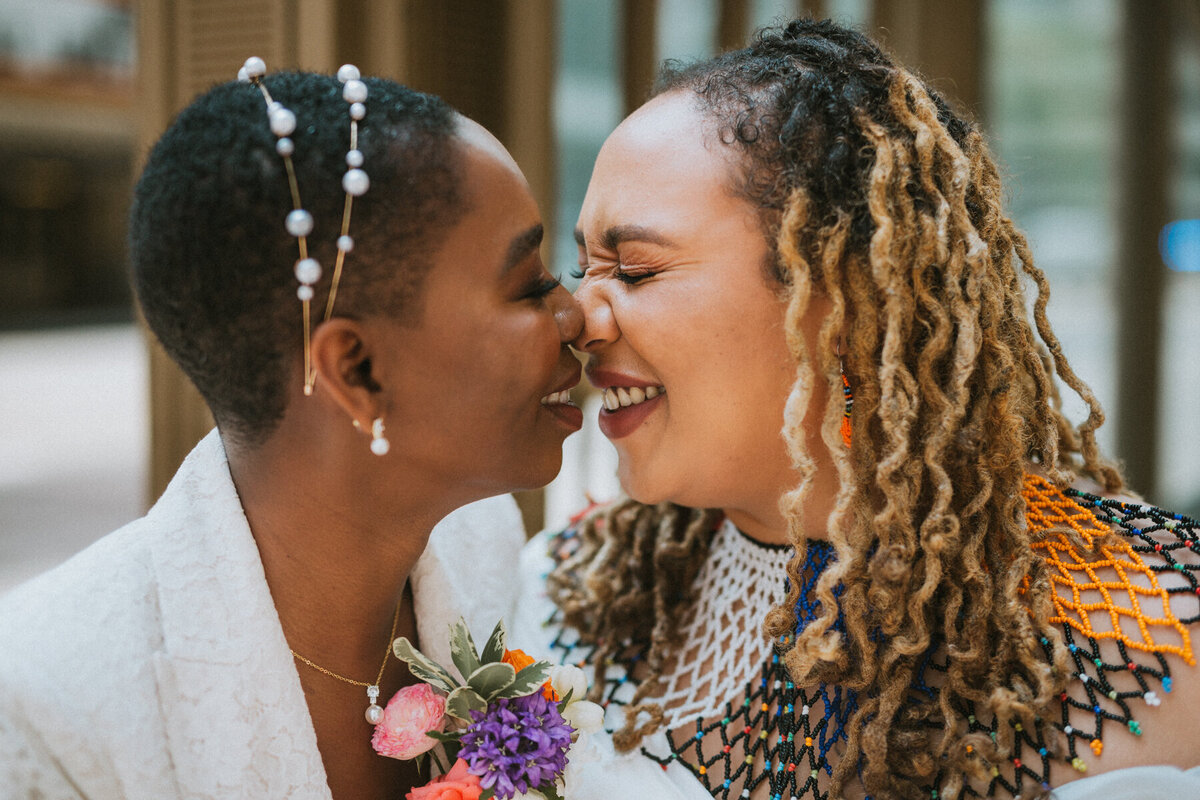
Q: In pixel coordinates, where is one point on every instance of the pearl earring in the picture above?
(379, 443)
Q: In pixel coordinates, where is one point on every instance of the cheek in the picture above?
(516, 358)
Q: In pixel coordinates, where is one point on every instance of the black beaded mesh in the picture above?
(779, 741)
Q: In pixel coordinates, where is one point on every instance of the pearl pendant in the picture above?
(374, 713)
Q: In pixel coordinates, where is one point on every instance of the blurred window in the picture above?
(66, 152)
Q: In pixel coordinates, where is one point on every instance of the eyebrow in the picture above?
(618, 234)
(522, 245)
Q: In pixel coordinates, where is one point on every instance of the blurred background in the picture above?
(1093, 107)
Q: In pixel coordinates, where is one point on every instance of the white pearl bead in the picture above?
(355, 91)
(356, 182)
(380, 446)
(285, 146)
(255, 67)
(374, 714)
(305, 293)
(308, 270)
(345, 244)
(348, 72)
(243, 76)
(357, 111)
(354, 158)
(283, 122)
(299, 222)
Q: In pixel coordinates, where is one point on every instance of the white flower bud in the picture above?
(584, 716)
(568, 679)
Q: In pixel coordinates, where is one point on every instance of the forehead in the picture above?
(497, 195)
(664, 166)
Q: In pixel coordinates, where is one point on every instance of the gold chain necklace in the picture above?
(374, 713)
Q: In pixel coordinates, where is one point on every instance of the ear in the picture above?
(342, 356)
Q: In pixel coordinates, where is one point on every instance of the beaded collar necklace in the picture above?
(784, 736)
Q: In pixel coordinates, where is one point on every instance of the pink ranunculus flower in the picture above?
(457, 784)
(409, 714)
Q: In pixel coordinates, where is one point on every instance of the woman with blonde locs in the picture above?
(956, 599)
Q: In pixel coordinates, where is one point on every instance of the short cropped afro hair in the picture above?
(212, 261)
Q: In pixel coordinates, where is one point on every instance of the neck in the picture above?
(336, 554)
(763, 518)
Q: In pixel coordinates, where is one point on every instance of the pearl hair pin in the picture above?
(299, 222)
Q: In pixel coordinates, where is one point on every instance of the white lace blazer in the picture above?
(153, 664)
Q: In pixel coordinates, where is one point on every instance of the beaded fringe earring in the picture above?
(849, 397)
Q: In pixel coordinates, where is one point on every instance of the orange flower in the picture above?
(520, 660)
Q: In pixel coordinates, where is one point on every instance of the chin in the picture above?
(639, 488)
(537, 473)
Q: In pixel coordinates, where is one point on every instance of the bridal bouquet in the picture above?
(507, 730)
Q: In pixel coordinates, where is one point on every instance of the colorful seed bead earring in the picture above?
(299, 223)
(849, 397)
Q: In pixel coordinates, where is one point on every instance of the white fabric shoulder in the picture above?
(153, 665)
(1135, 783)
(468, 570)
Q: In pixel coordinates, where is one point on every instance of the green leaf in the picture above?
(487, 794)
(550, 791)
(441, 768)
(527, 680)
(462, 648)
(443, 737)
(491, 679)
(493, 650)
(462, 701)
(423, 667)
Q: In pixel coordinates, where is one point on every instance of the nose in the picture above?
(567, 314)
(599, 325)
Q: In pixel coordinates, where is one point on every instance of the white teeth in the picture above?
(623, 397)
(557, 398)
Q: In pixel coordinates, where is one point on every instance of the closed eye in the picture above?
(543, 288)
(630, 277)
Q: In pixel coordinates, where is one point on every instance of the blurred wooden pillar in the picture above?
(733, 24)
(813, 8)
(1146, 149)
(493, 60)
(943, 40)
(639, 59)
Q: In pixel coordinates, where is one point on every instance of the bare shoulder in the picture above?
(1128, 611)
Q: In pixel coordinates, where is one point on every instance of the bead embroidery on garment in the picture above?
(772, 739)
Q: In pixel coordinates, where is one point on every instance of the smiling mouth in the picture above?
(562, 398)
(617, 397)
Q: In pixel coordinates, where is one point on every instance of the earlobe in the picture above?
(341, 354)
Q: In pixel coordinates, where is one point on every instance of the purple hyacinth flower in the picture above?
(517, 744)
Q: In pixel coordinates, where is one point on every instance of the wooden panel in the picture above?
(639, 61)
(213, 37)
(942, 40)
(732, 24)
(1146, 148)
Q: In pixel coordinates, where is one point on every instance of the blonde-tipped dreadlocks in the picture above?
(882, 200)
